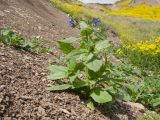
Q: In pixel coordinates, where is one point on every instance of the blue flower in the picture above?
(70, 21)
(96, 20)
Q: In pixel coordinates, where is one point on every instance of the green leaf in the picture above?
(89, 57)
(65, 47)
(156, 102)
(77, 54)
(90, 104)
(72, 78)
(71, 65)
(101, 45)
(70, 40)
(5, 32)
(59, 72)
(100, 96)
(55, 68)
(83, 25)
(94, 65)
(56, 76)
(86, 32)
(59, 87)
(79, 84)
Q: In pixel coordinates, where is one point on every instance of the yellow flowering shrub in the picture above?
(77, 10)
(146, 47)
(140, 11)
(144, 54)
(74, 9)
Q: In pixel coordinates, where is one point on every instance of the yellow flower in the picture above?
(152, 46)
(119, 52)
(140, 11)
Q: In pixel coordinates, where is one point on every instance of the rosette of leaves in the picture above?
(11, 38)
(87, 67)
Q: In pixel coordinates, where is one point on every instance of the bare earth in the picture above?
(23, 94)
(148, 2)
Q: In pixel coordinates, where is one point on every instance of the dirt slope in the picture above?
(148, 2)
(34, 17)
(23, 94)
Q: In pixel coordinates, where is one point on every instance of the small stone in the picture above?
(7, 118)
(1, 100)
(137, 106)
(41, 111)
(2, 87)
(25, 98)
(2, 13)
(7, 11)
(65, 111)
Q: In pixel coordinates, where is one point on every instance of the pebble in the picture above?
(2, 13)
(25, 98)
(2, 87)
(65, 111)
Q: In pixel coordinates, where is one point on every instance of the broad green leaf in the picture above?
(71, 65)
(79, 84)
(90, 104)
(70, 40)
(94, 65)
(100, 96)
(59, 87)
(56, 76)
(59, 72)
(72, 78)
(89, 57)
(65, 47)
(76, 53)
(102, 45)
(5, 32)
(83, 25)
(86, 32)
(55, 68)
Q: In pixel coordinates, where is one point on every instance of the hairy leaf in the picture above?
(66, 47)
(101, 45)
(70, 40)
(100, 96)
(94, 65)
(90, 104)
(83, 25)
(59, 72)
(59, 87)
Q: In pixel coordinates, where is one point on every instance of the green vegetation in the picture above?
(11, 38)
(149, 94)
(89, 72)
(87, 67)
(145, 55)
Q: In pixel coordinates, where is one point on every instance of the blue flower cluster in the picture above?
(70, 21)
(96, 20)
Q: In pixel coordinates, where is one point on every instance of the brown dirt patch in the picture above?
(147, 2)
